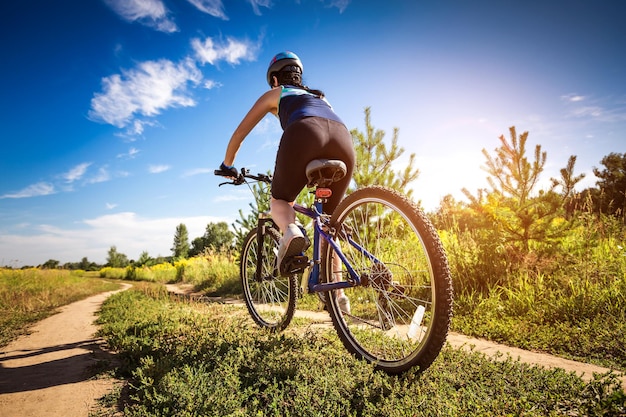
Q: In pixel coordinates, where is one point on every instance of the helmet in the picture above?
(280, 61)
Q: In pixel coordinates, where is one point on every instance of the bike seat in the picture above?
(323, 172)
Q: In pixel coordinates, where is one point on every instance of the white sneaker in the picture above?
(291, 244)
(344, 303)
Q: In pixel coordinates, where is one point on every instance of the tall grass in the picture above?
(32, 294)
(186, 359)
(213, 271)
(567, 298)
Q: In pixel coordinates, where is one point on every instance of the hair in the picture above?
(294, 78)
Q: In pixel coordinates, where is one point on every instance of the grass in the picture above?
(186, 359)
(27, 296)
(580, 319)
(214, 272)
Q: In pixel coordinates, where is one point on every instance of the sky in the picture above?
(114, 113)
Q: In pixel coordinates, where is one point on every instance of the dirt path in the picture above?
(47, 373)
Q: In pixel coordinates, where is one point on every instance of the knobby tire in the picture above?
(269, 297)
(400, 316)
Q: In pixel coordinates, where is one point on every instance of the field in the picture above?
(181, 358)
(27, 296)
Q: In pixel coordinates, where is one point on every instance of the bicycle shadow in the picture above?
(40, 368)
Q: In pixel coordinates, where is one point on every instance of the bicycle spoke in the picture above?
(270, 299)
(394, 321)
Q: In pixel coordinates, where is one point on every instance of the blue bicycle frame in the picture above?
(314, 285)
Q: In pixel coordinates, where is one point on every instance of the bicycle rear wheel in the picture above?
(400, 315)
(270, 298)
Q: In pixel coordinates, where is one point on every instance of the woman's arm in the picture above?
(267, 103)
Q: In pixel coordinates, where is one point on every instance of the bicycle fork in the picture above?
(264, 218)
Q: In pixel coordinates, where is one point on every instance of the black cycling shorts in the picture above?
(307, 139)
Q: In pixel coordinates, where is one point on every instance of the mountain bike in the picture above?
(378, 250)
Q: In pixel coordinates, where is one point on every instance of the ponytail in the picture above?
(318, 93)
(295, 78)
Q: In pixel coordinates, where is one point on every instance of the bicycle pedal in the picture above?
(294, 265)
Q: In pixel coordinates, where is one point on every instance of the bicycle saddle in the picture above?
(323, 172)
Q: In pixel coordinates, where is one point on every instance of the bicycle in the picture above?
(379, 249)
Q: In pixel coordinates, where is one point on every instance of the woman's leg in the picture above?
(282, 213)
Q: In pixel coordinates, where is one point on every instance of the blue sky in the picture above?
(114, 113)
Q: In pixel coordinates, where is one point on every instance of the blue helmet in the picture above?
(282, 60)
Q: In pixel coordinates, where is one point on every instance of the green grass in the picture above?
(186, 359)
(27, 296)
(580, 319)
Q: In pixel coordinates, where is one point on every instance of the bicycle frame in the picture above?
(314, 285)
(315, 214)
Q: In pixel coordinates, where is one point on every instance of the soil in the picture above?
(50, 372)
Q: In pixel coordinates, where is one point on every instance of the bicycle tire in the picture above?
(270, 298)
(411, 283)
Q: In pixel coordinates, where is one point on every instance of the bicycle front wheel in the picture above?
(270, 298)
(400, 315)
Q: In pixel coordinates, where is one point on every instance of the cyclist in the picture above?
(311, 130)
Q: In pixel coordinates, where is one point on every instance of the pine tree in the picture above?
(181, 242)
(377, 161)
(518, 216)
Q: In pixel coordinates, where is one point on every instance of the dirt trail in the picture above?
(47, 373)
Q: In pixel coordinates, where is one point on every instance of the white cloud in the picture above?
(103, 175)
(213, 7)
(156, 169)
(132, 152)
(210, 84)
(233, 51)
(130, 233)
(146, 90)
(573, 98)
(110, 206)
(76, 173)
(340, 4)
(263, 3)
(592, 111)
(151, 13)
(34, 190)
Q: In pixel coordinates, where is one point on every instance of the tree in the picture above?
(375, 159)
(50, 264)
(518, 218)
(568, 180)
(510, 171)
(217, 236)
(84, 264)
(181, 242)
(612, 184)
(116, 259)
(144, 259)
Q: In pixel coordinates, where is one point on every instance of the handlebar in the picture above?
(241, 178)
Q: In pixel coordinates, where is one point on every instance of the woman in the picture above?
(311, 130)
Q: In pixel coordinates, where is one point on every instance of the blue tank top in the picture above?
(297, 103)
